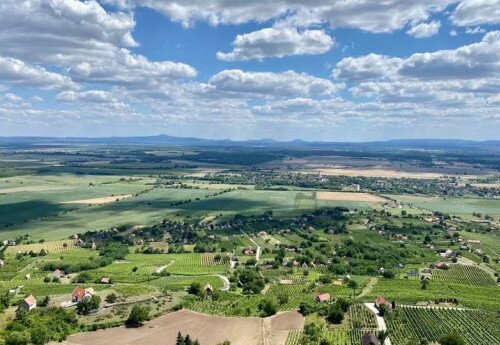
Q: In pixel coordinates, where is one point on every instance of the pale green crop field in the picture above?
(35, 205)
(29, 198)
(458, 206)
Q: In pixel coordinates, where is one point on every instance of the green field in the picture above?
(452, 205)
(44, 196)
(406, 291)
(150, 207)
(413, 324)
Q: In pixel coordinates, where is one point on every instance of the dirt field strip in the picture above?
(98, 201)
(348, 196)
(209, 330)
(31, 189)
(376, 172)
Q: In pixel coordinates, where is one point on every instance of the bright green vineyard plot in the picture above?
(416, 323)
(463, 274)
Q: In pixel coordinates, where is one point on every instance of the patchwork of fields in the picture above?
(80, 207)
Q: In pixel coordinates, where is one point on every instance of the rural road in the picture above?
(257, 253)
(225, 281)
(380, 321)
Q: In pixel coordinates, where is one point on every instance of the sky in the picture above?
(331, 70)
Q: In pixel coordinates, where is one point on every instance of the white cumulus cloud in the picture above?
(424, 30)
(19, 73)
(285, 84)
(278, 42)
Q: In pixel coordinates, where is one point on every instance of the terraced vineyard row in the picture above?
(361, 317)
(464, 274)
(208, 259)
(55, 247)
(416, 323)
(294, 337)
(294, 293)
(345, 336)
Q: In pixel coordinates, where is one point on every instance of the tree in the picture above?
(382, 335)
(180, 339)
(86, 305)
(195, 289)
(451, 338)
(44, 302)
(335, 314)
(17, 338)
(267, 308)
(111, 298)
(137, 316)
(39, 335)
(352, 284)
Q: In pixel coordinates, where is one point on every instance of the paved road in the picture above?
(380, 321)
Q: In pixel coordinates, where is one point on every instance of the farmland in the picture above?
(456, 206)
(414, 323)
(207, 329)
(237, 237)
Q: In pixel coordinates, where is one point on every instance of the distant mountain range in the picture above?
(164, 139)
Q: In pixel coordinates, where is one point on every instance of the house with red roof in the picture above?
(29, 303)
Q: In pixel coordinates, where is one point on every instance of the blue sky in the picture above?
(339, 70)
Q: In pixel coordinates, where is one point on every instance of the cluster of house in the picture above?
(448, 254)
(58, 274)
(80, 243)
(248, 251)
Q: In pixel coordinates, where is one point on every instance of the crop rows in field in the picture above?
(176, 283)
(294, 337)
(345, 336)
(227, 305)
(55, 247)
(208, 259)
(361, 317)
(20, 279)
(464, 274)
(295, 294)
(416, 323)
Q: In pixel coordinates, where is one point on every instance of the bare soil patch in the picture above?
(209, 330)
(98, 201)
(376, 172)
(348, 196)
(486, 185)
(31, 189)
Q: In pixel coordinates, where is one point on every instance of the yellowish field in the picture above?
(98, 201)
(486, 185)
(47, 188)
(348, 196)
(375, 172)
(51, 247)
(209, 330)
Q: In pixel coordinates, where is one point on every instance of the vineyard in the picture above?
(55, 247)
(334, 336)
(416, 323)
(361, 317)
(294, 293)
(463, 274)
